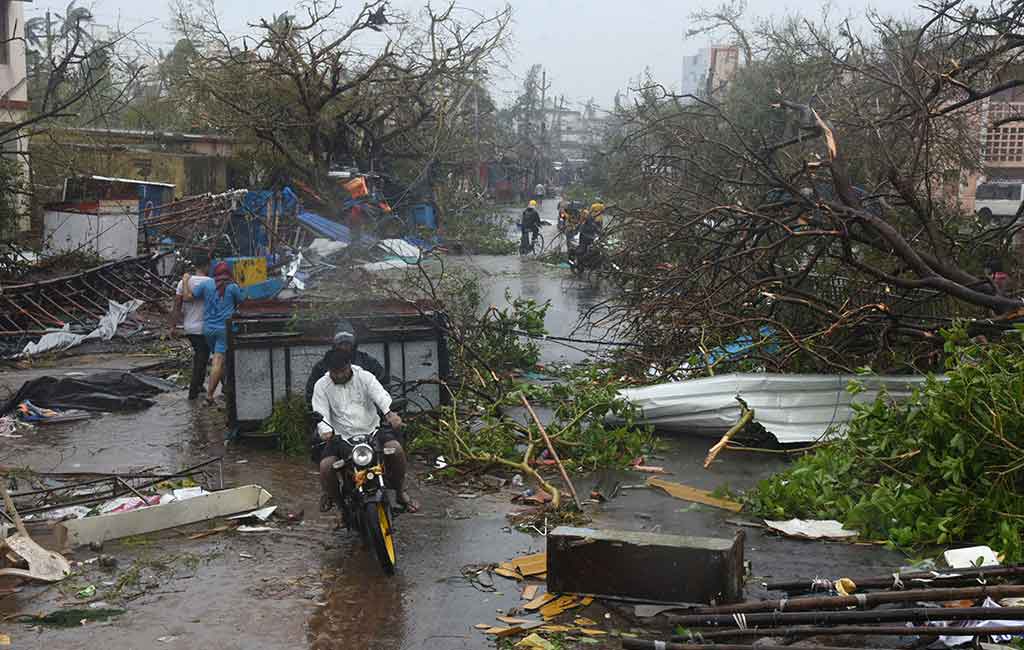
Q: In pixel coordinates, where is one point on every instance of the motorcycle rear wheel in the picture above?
(377, 518)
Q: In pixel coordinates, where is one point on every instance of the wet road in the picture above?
(309, 586)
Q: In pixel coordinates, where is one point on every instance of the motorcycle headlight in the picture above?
(362, 455)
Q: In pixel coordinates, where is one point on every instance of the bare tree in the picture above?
(316, 91)
(814, 205)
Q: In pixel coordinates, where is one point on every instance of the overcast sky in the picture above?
(590, 48)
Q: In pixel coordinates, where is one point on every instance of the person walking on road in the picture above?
(190, 315)
(221, 297)
(538, 193)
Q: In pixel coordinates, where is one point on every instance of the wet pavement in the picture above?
(310, 586)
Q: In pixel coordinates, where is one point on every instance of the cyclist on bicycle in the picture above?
(530, 226)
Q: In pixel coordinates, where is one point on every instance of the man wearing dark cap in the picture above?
(345, 339)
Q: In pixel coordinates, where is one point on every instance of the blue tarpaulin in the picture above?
(326, 227)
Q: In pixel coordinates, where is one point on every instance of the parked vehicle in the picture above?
(367, 504)
(998, 198)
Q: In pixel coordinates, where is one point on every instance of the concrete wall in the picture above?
(13, 82)
(14, 89)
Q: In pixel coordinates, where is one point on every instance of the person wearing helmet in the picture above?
(345, 339)
(530, 225)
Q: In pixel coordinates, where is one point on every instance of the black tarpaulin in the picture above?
(104, 391)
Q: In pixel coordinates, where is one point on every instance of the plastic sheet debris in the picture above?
(101, 391)
(952, 640)
(811, 529)
(63, 339)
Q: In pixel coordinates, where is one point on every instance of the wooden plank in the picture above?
(687, 493)
(115, 525)
(530, 592)
(528, 565)
(538, 602)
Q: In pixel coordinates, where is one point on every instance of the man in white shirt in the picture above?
(190, 314)
(348, 398)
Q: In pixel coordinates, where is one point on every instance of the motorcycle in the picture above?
(367, 504)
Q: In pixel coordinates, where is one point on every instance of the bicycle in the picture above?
(536, 244)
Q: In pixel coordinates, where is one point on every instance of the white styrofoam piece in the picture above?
(101, 528)
(967, 558)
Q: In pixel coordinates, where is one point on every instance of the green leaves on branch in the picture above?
(945, 467)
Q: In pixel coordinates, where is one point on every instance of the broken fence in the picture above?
(79, 299)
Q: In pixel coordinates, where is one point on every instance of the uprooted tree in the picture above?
(812, 203)
(379, 90)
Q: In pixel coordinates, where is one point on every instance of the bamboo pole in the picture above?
(551, 448)
(866, 600)
(913, 614)
(894, 580)
(642, 644)
(855, 630)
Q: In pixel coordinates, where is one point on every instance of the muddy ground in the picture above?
(307, 585)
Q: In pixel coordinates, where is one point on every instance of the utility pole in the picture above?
(476, 128)
(543, 125)
(49, 40)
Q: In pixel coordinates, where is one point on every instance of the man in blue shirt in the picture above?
(220, 296)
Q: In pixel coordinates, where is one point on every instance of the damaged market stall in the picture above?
(271, 353)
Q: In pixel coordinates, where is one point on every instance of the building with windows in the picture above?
(710, 71)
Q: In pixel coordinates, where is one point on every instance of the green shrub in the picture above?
(946, 466)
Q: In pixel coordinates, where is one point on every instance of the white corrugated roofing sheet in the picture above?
(793, 408)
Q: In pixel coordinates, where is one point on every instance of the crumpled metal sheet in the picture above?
(794, 408)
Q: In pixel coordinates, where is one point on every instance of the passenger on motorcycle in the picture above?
(531, 227)
(349, 397)
(345, 339)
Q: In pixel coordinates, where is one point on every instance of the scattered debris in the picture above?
(811, 529)
(535, 642)
(607, 487)
(522, 567)
(687, 493)
(530, 592)
(86, 593)
(42, 564)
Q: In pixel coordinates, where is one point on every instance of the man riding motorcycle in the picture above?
(345, 339)
(531, 227)
(348, 397)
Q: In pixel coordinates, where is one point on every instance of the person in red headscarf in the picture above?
(221, 296)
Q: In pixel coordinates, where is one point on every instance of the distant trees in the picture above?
(817, 198)
(319, 91)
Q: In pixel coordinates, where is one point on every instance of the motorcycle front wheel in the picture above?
(377, 517)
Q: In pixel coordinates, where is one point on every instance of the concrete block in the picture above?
(645, 566)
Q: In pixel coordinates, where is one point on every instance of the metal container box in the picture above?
(270, 356)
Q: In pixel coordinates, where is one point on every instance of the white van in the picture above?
(998, 198)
